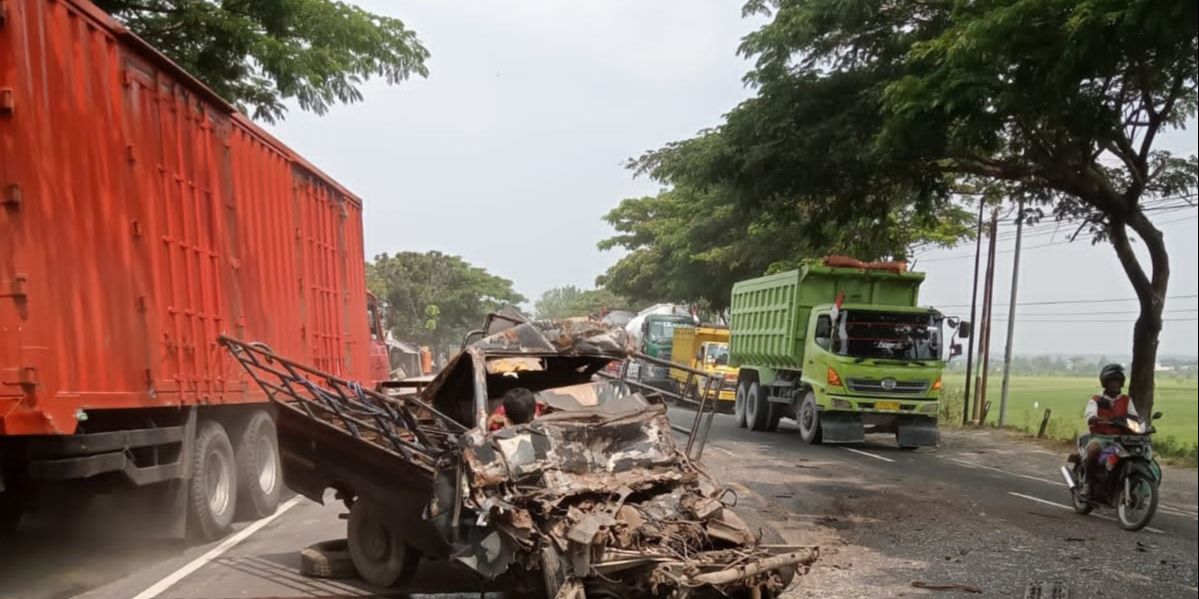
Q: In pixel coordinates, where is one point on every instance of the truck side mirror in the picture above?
(1157, 415)
(965, 329)
(955, 350)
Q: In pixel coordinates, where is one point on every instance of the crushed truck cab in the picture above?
(843, 348)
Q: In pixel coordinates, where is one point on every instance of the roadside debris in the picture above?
(593, 498)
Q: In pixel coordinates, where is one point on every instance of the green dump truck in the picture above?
(841, 350)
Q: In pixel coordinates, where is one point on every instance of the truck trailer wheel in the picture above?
(259, 477)
(11, 509)
(739, 403)
(808, 419)
(212, 490)
(381, 557)
(757, 408)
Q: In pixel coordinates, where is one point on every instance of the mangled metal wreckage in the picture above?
(591, 499)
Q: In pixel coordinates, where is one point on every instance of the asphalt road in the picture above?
(983, 512)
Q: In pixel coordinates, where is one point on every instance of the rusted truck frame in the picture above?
(592, 499)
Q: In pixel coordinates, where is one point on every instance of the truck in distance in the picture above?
(704, 348)
(842, 347)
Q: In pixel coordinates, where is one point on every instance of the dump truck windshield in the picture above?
(888, 335)
(717, 353)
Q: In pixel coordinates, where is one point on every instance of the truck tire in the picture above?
(11, 509)
(768, 535)
(776, 414)
(212, 490)
(379, 555)
(808, 419)
(327, 559)
(259, 475)
(739, 403)
(757, 408)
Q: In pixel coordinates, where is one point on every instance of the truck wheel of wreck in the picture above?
(212, 490)
(739, 404)
(259, 477)
(381, 558)
(757, 409)
(809, 419)
(769, 536)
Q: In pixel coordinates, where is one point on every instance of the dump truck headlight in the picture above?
(929, 408)
(841, 404)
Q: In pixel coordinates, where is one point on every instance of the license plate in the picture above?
(886, 405)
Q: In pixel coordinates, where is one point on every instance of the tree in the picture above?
(570, 301)
(865, 109)
(693, 240)
(435, 299)
(256, 54)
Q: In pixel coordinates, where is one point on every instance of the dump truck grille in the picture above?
(887, 386)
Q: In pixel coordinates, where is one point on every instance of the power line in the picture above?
(1124, 312)
(1076, 301)
(1092, 320)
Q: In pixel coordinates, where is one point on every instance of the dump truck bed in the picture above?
(769, 315)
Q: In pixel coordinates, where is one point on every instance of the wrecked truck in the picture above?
(593, 498)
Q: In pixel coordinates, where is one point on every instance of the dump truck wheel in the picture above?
(739, 404)
(776, 414)
(808, 419)
(757, 409)
(381, 557)
(327, 559)
(212, 490)
(259, 475)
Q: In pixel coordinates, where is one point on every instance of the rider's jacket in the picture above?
(1116, 407)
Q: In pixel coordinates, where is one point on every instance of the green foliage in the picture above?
(435, 299)
(257, 54)
(868, 116)
(570, 301)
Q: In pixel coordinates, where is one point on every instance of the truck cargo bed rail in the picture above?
(404, 426)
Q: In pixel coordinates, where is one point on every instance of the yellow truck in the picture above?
(704, 348)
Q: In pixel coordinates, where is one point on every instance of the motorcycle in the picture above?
(1131, 478)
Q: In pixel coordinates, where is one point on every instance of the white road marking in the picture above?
(724, 451)
(1163, 508)
(868, 454)
(1056, 483)
(171, 579)
(1066, 507)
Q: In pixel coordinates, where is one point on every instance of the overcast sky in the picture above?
(513, 148)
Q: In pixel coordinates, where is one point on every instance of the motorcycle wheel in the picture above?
(1080, 503)
(1137, 508)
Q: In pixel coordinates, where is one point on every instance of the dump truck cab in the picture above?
(705, 348)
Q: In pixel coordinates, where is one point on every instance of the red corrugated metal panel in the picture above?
(141, 218)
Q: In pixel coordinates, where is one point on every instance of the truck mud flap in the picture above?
(842, 427)
(917, 432)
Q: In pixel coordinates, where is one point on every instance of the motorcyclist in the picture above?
(1101, 414)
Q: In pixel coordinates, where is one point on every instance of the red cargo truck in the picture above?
(140, 217)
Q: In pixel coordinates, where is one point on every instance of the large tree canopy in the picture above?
(435, 299)
(870, 114)
(259, 53)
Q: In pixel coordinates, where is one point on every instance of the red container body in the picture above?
(140, 217)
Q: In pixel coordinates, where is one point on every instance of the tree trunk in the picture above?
(1151, 294)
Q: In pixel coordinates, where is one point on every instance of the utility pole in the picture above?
(984, 341)
(978, 246)
(1011, 317)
